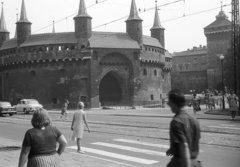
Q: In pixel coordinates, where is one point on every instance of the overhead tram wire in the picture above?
(145, 10)
(191, 14)
(98, 2)
(140, 12)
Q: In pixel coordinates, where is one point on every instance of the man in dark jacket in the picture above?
(184, 134)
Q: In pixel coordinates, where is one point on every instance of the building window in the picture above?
(7, 75)
(145, 72)
(155, 72)
(61, 71)
(33, 73)
(152, 98)
(95, 55)
(135, 55)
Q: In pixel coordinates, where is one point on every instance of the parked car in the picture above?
(28, 105)
(7, 108)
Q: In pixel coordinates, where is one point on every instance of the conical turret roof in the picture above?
(82, 11)
(2, 22)
(157, 23)
(133, 12)
(23, 15)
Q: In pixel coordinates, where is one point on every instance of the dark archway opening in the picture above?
(109, 90)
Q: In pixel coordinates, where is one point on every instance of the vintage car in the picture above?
(28, 105)
(7, 108)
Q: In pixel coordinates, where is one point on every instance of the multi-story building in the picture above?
(200, 68)
(95, 67)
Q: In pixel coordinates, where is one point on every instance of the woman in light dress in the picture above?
(232, 100)
(79, 118)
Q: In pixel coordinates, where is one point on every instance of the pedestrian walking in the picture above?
(211, 102)
(195, 103)
(232, 100)
(79, 118)
(40, 143)
(184, 134)
(206, 100)
(64, 112)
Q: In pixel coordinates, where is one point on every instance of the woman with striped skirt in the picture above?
(40, 142)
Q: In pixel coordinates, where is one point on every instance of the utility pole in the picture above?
(235, 47)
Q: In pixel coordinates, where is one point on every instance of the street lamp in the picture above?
(222, 58)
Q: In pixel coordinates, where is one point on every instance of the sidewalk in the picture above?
(10, 151)
(217, 114)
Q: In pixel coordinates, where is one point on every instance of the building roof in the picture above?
(151, 41)
(82, 12)
(133, 12)
(23, 15)
(221, 20)
(2, 22)
(157, 23)
(192, 52)
(98, 40)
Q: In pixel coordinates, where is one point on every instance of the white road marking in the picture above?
(228, 125)
(116, 162)
(142, 143)
(117, 156)
(121, 147)
(223, 127)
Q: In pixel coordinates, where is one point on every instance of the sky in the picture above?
(183, 20)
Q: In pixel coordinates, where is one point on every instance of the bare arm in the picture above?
(72, 122)
(86, 123)
(184, 151)
(62, 144)
(23, 156)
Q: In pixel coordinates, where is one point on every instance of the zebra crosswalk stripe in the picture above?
(142, 143)
(223, 127)
(117, 156)
(149, 152)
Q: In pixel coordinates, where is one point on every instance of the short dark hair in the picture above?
(177, 97)
(40, 118)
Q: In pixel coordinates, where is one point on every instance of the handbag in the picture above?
(71, 137)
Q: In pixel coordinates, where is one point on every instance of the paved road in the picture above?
(120, 150)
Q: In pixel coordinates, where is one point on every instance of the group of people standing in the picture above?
(39, 147)
(231, 99)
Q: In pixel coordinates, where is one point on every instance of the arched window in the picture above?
(152, 97)
(155, 72)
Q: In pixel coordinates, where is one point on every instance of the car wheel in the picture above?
(10, 114)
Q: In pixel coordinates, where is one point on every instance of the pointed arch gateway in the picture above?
(116, 74)
(110, 89)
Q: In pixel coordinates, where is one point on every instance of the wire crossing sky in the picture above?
(183, 20)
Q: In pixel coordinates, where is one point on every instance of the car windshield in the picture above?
(33, 102)
(5, 104)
